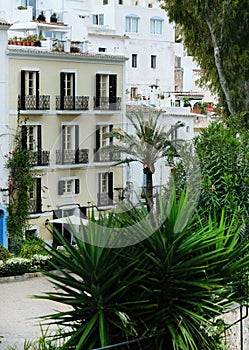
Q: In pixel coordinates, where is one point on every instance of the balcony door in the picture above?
(70, 144)
(29, 90)
(106, 90)
(67, 91)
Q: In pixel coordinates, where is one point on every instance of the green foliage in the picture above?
(14, 267)
(165, 291)
(44, 342)
(149, 143)
(4, 253)
(19, 163)
(208, 32)
(224, 162)
(20, 266)
(31, 247)
(15, 246)
(224, 165)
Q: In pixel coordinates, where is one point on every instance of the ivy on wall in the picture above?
(19, 163)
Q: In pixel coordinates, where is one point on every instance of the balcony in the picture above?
(72, 156)
(107, 104)
(40, 158)
(107, 157)
(72, 103)
(33, 102)
(104, 199)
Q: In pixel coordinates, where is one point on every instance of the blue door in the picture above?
(3, 227)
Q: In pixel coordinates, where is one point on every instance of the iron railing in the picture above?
(33, 102)
(105, 103)
(72, 156)
(104, 199)
(40, 158)
(72, 103)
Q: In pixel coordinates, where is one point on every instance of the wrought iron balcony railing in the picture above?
(105, 103)
(33, 102)
(107, 157)
(40, 158)
(72, 156)
(72, 103)
(104, 199)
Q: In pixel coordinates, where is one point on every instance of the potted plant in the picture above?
(53, 17)
(41, 17)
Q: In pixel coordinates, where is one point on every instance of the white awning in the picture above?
(33, 26)
(72, 219)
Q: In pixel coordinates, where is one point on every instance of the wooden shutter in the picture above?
(62, 89)
(38, 196)
(110, 188)
(37, 89)
(113, 90)
(97, 143)
(73, 90)
(77, 186)
(39, 145)
(22, 102)
(62, 144)
(97, 98)
(111, 141)
(24, 136)
(61, 185)
(76, 132)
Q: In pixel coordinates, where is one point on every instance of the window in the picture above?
(67, 91)
(98, 19)
(106, 92)
(101, 141)
(68, 137)
(105, 2)
(35, 196)
(105, 186)
(69, 152)
(31, 137)
(156, 25)
(153, 61)
(69, 186)
(174, 134)
(131, 23)
(134, 60)
(133, 92)
(102, 49)
(120, 2)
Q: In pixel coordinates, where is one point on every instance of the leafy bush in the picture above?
(40, 262)
(15, 266)
(4, 253)
(15, 245)
(163, 293)
(31, 247)
(20, 266)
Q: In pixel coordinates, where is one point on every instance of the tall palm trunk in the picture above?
(149, 188)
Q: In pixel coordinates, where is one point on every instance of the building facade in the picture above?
(63, 104)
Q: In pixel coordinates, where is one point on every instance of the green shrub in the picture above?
(4, 253)
(15, 266)
(15, 245)
(32, 247)
(165, 291)
(40, 262)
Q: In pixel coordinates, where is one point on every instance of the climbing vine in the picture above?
(19, 163)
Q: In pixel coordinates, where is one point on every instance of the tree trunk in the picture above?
(218, 65)
(149, 189)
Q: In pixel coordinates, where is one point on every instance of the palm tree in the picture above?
(149, 143)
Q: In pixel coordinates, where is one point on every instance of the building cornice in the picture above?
(63, 56)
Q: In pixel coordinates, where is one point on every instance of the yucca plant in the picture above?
(164, 292)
